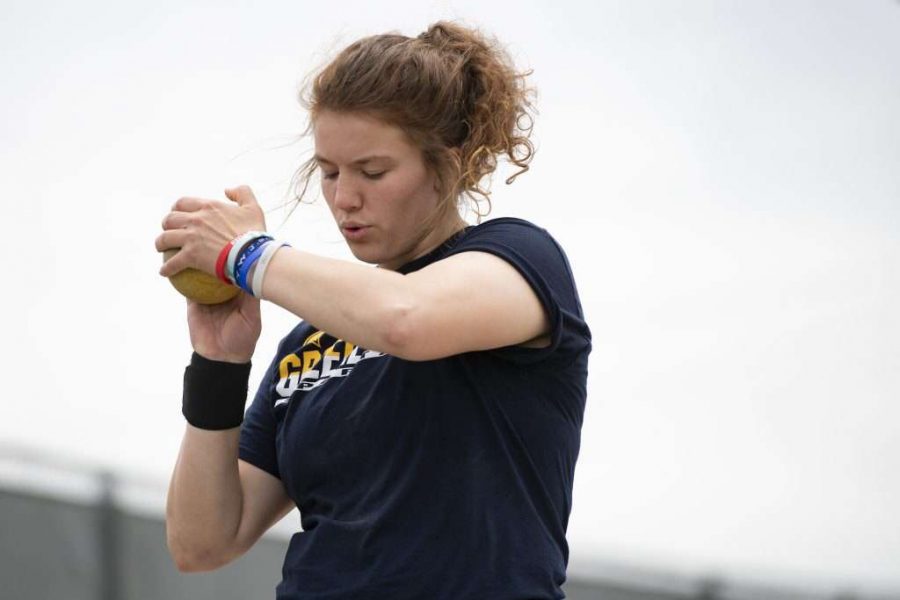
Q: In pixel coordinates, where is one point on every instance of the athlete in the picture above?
(425, 413)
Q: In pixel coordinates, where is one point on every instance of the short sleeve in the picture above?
(258, 431)
(544, 265)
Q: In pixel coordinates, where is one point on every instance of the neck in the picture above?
(432, 239)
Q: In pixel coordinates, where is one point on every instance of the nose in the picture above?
(347, 196)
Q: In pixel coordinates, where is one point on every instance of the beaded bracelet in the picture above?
(270, 249)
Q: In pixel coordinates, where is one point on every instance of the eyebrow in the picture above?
(358, 161)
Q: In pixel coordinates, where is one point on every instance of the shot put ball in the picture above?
(199, 286)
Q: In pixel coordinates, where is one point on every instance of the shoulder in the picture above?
(541, 262)
(511, 233)
(517, 241)
(532, 251)
(506, 224)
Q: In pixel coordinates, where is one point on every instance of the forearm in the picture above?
(203, 511)
(364, 305)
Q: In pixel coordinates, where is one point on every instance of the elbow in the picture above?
(409, 334)
(194, 559)
(195, 562)
(184, 564)
(404, 334)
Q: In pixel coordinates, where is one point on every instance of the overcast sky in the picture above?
(723, 175)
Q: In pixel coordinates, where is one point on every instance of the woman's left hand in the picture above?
(201, 228)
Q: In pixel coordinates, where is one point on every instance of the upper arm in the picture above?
(265, 502)
(469, 301)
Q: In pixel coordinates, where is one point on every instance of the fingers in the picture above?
(189, 204)
(202, 227)
(177, 220)
(242, 195)
(171, 238)
(175, 264)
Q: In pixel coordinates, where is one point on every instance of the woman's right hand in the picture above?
(225, 332)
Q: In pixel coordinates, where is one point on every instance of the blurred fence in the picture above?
(72, 532)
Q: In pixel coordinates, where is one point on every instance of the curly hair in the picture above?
(452, 90)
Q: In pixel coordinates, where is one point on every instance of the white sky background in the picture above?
(723, 175)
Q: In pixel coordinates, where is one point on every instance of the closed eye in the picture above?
(377, 175)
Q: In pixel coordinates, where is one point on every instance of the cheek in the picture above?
(413, 208)
(328, 195)
(419, 193)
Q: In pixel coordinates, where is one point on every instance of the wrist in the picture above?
(214, 393)
(236, 358)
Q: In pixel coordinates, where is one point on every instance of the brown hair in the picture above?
(453, 91)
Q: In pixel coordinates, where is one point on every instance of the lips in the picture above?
(354, 231)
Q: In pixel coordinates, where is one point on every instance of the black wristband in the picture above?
(214, 393)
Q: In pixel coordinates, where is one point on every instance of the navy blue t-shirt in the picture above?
(448, 478)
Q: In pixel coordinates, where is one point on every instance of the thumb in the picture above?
(242, 195)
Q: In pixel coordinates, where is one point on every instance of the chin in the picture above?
(386, 256)
(366, 255)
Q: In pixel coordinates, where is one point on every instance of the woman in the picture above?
(425, 415)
